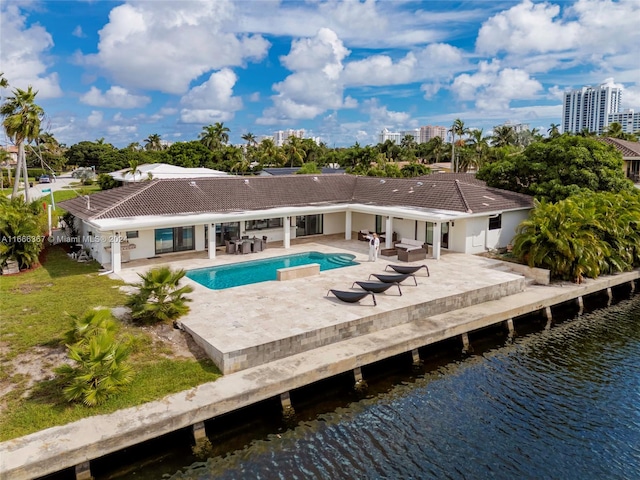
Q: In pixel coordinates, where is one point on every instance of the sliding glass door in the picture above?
(308, 225)
(177, 239)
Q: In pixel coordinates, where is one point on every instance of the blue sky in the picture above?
(340, 69)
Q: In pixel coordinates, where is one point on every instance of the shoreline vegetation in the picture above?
(36, 310)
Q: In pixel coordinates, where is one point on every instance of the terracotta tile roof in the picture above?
(627, 148)
(453, 192)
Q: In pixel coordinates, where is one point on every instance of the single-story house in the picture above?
(150, 171)
(630, 156)
(452, 211)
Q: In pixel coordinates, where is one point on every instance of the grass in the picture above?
(35, 308)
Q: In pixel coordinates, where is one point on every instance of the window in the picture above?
(177, 239)
(308, 225)
(495, 223)
(132, 234)
(429, 234)
(262, 224)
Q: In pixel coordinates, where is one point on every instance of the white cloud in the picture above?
(631, 97)
(539, 37)
(381, 115)
(213, 101)
(435, 61)
(367, 23)
(95, 118)
(527, 28)
(115, 97)
(493, 88)
(314, 86)
(165, 45)
(77, 32)
(23, 53)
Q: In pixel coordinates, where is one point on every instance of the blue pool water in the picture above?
(227, 276)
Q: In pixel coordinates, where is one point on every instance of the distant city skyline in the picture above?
(341, 70)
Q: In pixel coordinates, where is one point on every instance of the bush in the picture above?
(21, 230)
(160, 298)
(100, 369)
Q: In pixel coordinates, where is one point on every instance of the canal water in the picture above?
(562, 403)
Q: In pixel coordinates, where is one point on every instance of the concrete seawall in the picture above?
(79, 442)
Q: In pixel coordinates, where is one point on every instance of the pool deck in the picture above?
(247, 326)
(247, 317)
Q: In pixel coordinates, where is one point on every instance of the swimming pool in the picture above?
(245, 273)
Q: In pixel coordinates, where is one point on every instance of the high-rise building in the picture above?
(430, 131)
(629, 120)
(420, 135)
(589, 108)
(280, 137)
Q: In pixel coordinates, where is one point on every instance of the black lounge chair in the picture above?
(352, 297)
(394, 278)
(407, 268)
(377, 287)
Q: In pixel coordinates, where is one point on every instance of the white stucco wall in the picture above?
(333, 223)
(363, 221)
(510, 221)
(404, 228)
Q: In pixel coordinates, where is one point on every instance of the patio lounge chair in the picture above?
(407, 268)
(377, 287)
(352, 297)
(394, 278)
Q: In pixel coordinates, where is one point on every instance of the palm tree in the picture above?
(160, 298)
(554, 130)
(270, 153)
(503, 136)
(214, 136)
(250, 138)
(459, 129)
(153, 143)
(294, 150)
(100, 369)
(22, 123)
(134, 146)
(133, 170)
(4, 83)
(479, 144)
(614, 130)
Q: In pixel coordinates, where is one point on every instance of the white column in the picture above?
(347, 225)
(437, 233)
(199, 238)
(212, 241)
(388, 241)
(116, 256)
(286, 241)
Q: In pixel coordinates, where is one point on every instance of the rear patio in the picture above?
(246, 326)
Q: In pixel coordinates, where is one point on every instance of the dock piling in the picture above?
(580, 305)
(511, 329)
(466, 346)
(610, 295)
(415, 355)
(547, 313)
(361, 384)
(287, 409)
(633, 286)
(83, 471)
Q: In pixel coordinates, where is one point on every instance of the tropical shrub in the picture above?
(99, 367)
(160, 297)
(585, 235)
(21, 229)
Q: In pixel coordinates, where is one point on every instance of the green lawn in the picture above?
(34, 315)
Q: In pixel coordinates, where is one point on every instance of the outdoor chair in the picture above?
(394, 278)
(230, 247)
(377, 287)
(352, 297)
(407, 268)
(246, 247)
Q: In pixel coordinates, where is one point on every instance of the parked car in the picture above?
(45, 179)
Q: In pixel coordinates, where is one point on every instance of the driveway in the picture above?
(61, 183)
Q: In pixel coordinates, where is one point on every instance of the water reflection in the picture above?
(563, 403)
